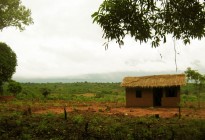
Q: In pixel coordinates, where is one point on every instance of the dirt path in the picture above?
(105, 109)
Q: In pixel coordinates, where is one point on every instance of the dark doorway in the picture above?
(157, 96)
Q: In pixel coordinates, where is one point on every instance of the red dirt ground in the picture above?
(6, 98)
(117, 109)
(106, 109)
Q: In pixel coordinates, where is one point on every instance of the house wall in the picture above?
(147, 98)
(145, 101)
(171, 101)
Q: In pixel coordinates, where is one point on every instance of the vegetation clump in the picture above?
(8, 63)
(151, 20)
(96, 126)
(45, 92)
(14, 87)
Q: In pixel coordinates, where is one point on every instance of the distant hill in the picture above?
(97, 77)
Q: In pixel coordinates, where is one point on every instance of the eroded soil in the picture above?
(112, 109)
(104, 108)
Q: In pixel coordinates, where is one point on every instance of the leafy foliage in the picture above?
(14, 87)
(96, 126)
(198, 79)
(45, 92)
(151, 20)
(194, 76)
(13, 13)
(8, 63)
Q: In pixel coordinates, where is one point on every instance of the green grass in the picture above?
(16, 124)
(95, 126)
(104, 92)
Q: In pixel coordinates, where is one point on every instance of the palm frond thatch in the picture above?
(154, 81)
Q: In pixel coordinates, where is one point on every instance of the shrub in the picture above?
(14, 87)
(45, 92)
(78, 119)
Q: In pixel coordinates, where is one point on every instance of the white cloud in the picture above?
(64, 42)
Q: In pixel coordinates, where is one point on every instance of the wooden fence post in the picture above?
(65, 113)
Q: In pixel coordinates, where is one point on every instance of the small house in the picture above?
(156, 90)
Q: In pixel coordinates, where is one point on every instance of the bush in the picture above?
(14, 87)
(45, 92)
(78, 119)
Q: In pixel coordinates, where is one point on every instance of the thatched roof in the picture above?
(154, 81)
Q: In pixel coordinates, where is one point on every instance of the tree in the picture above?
(14, 87)
(193, 76)
(8, 64)
(45, 92)
(13, 13)
(151, 20)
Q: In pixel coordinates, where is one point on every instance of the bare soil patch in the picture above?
(6, 98)
(86, 95)
(110, 109)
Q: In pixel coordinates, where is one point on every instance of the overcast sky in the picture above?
(63, 42)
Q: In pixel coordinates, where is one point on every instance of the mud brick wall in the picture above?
(145, 101)
(171, 101)
(147, 98)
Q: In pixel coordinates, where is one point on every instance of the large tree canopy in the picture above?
(8, 63)
(151, 20)
(13, 13)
